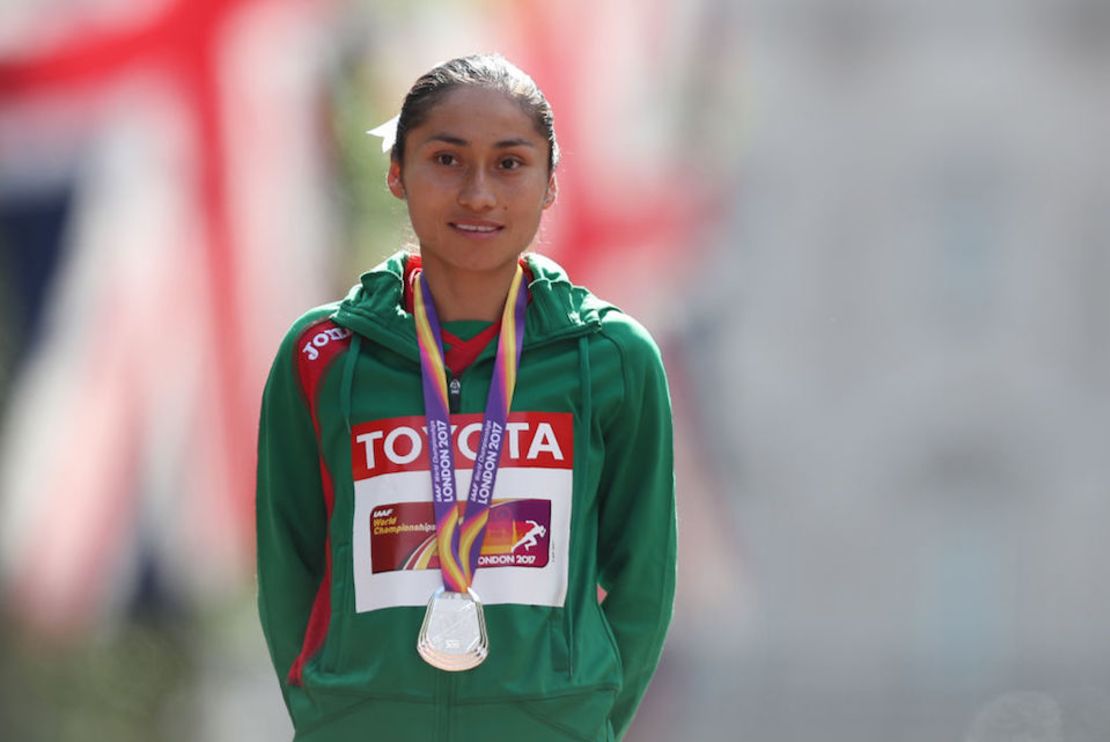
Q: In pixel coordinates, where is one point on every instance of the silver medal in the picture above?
(453, 635)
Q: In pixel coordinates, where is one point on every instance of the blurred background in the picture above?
(871, 236)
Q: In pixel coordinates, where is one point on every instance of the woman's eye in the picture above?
(510, 163)
(445, 158)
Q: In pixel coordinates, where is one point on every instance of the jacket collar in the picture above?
(375, 309)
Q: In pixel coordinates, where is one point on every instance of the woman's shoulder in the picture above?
(615, 324)
(624, 329)
(632, 346)
(635, 342)
(303, 330)
(310, 320)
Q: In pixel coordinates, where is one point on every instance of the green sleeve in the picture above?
(637, 537)
(290, 511)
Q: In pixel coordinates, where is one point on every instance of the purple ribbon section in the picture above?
(458, 575)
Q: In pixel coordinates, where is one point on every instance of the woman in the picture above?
(443, 585)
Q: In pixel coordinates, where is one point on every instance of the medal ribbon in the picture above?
(452, 538)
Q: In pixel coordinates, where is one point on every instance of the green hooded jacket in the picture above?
(584, 497)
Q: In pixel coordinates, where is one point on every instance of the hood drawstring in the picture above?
(586, 386)
(347, 381)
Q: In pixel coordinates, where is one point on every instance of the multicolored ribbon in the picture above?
(453, 540)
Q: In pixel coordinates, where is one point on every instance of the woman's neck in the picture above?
(473, 295)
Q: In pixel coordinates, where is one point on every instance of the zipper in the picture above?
(452, 684)
(442, 706)
(446, 710)
(454, 393)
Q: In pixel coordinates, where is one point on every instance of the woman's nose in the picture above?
(477, 193)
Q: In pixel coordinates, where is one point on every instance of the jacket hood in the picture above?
(375, 309)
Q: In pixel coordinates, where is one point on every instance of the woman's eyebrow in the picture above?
(460, 142)
(518, 142)
(447, 138)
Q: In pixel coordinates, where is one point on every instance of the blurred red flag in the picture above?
(195, 238)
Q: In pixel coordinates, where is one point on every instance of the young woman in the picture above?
(453, 458)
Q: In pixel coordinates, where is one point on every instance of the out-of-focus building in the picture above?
(910, 346)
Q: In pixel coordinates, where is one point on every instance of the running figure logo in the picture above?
(529, 539)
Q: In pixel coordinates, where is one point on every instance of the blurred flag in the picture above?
(186, 133)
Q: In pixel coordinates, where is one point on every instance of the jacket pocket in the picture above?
(345, 718)
(612, 638)
(341, 607)
(560, 642)
(578, 716)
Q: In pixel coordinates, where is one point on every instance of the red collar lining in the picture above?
(460, 353)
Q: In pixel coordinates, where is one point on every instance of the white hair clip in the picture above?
(387, 131)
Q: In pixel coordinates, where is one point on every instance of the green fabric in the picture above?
(576, 672)
(465, 329)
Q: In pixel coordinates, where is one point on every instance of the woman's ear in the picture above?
(393, 180)
(552, 191)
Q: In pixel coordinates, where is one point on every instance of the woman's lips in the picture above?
(477, 229)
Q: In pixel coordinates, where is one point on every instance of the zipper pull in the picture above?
(454, 394)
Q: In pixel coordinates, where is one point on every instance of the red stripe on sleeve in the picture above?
(317, 347)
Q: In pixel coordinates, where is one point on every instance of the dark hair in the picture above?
(490, 71)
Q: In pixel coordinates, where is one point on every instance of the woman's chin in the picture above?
(473, 259)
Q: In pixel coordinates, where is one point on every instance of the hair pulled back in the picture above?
(491, 71)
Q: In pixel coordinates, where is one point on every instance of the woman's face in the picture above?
(475, 179)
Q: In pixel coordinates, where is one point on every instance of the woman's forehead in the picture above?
(475, 115)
